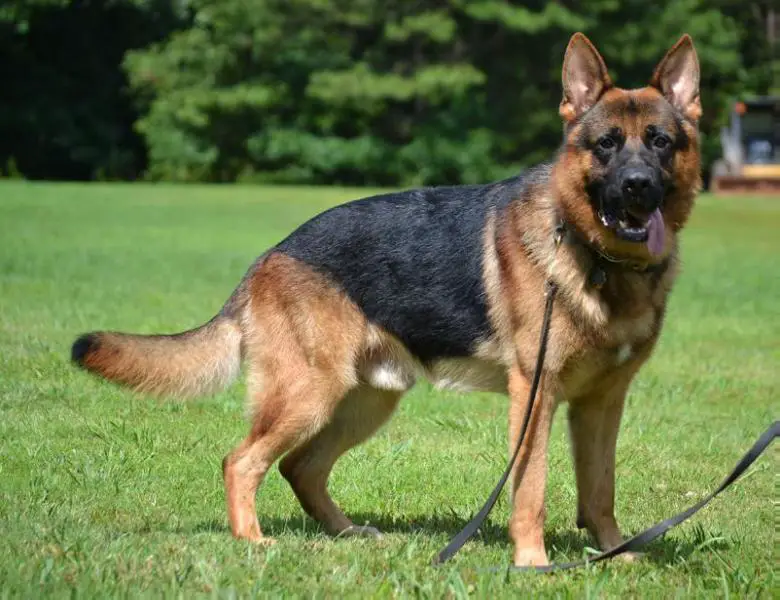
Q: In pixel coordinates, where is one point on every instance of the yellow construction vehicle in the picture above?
(751, 149)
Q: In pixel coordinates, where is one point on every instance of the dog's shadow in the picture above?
(562, 545)
(302, 525)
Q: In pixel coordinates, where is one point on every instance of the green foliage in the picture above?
(325, 91)
(391, 93)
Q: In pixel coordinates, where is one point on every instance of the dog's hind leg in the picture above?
(358, 416)
(282, 422)
(301, 340)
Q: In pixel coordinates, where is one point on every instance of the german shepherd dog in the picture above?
(337, 321)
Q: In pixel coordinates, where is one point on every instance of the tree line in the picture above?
(356, 92)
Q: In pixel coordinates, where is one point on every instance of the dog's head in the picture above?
(629, 167)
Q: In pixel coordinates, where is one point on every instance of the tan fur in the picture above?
(302, 339)
(322, 378)
(587, 364)
(594, 419)
(358, 416)
(185, 365)
(467, 375)
(529, 474)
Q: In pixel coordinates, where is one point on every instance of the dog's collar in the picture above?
(601, 261)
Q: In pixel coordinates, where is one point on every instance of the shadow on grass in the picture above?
(303, 525)
(562, 545)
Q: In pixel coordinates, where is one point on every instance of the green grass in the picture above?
(106, 494)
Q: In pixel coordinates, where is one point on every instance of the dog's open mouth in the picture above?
(632, 228)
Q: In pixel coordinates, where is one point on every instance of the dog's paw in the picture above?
(530, 557)
(360, 531)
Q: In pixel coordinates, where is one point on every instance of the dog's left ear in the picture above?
(677, 78)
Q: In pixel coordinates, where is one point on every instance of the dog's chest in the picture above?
(585, 372)
(588, 361)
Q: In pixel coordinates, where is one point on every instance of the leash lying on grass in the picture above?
(636, 542)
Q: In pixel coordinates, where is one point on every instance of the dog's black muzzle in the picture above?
(628, 202)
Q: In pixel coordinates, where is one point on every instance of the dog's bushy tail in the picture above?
(193, 363)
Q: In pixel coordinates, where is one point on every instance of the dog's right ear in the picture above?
(585, 77)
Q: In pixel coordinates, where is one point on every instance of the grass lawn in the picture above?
(106, 494)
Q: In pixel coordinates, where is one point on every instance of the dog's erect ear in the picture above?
(585, 77)
(677, 78)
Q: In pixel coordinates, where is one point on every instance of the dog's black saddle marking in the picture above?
(412, 261)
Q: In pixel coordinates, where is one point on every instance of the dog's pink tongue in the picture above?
(656, 236)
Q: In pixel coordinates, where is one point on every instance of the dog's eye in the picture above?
(661, 142)
(606, 143)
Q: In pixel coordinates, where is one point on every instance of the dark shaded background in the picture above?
(377, 92)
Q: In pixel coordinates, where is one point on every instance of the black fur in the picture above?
(412, 261)
(84, 345)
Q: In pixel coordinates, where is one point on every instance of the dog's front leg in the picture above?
(526, 525)
(594, 420)
(594, 424)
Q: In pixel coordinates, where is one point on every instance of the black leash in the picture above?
(471, 527)
(631, 545)
(640, 539)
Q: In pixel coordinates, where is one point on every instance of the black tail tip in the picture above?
(84, 345)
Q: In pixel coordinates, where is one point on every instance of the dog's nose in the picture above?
(636, 183)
